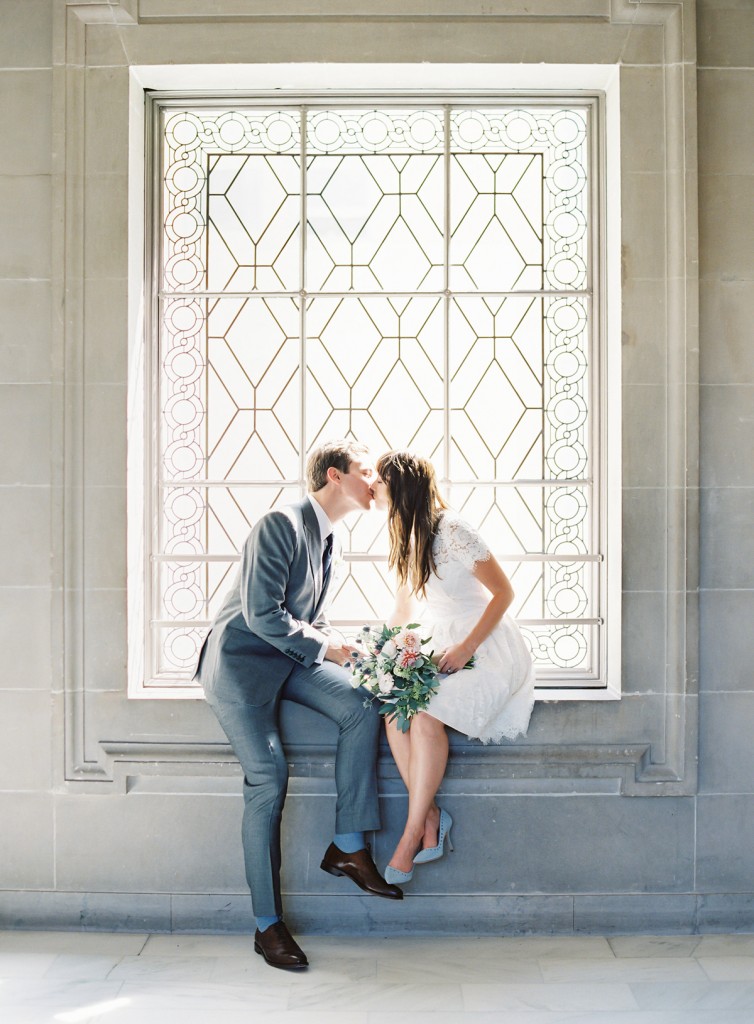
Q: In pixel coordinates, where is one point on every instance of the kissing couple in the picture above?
(271, 641)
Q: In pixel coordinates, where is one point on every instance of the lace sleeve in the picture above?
(462, 543)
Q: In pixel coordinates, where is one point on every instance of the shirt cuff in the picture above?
(322, 652)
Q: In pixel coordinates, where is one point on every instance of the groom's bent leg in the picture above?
(326, 688)
(253, 734)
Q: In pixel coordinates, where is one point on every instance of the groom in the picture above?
(270, 642)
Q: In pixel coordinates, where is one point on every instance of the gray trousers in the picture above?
(253, 733)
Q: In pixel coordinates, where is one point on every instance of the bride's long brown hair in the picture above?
(413, 516)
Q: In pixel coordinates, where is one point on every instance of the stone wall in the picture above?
(725, 805)
(126, 814)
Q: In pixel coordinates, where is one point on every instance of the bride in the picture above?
(442, 560)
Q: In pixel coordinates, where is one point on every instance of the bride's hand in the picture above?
(455, 658)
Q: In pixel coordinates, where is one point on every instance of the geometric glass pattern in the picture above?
(411, 276)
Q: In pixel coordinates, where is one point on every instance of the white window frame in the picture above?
(283, 82)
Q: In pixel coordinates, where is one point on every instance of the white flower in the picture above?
(385, 682)
(389, 650)
(408, 638)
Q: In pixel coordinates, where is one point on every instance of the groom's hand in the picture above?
(339, 653)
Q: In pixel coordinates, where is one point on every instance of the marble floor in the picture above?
(116, 978)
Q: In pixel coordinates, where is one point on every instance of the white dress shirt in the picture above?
(325, 526)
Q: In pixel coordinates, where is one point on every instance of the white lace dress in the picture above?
(493, 700)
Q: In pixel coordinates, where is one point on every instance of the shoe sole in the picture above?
(280, 967)
(343, 874)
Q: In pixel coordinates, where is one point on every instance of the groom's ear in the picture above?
(333, 474)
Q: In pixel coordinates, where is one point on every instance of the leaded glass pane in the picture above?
(397, 131)
(182, 352)
(375, 223)
(177, 649)
(375, 370)
(496, 221)
(253, 205)
(209, 519)
(566, 389)
(214, 163)
(253, 382)
(194, 590)
(529, 519)
(550, 590)
(496, 394)
(437, 298)
(361, 593)
(519, 198)
(232, 511)
(556, 649)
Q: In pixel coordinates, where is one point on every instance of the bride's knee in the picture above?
(425, 725)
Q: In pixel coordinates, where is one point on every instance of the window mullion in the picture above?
(302, 298)
(446, 302)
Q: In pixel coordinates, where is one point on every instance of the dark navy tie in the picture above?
(326, 558)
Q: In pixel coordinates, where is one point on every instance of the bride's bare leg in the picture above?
(400, 747)
(427, 762)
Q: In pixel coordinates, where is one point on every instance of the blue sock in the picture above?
(349, 842)
(263, 923)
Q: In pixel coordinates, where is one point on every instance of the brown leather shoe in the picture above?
(360, 868)
(278, 947)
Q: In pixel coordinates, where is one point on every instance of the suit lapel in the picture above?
(313, 543)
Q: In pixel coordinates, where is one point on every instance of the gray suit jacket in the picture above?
(272, 619)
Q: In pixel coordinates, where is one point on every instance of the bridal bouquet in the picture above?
(397, 669)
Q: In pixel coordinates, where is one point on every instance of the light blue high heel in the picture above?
(435, 852)
(394, 876)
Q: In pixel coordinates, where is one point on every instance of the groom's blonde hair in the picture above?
(338, 454)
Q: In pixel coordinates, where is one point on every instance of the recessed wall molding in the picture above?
(629, 765)
(648, 741)
(96, 12)
(189, 11)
